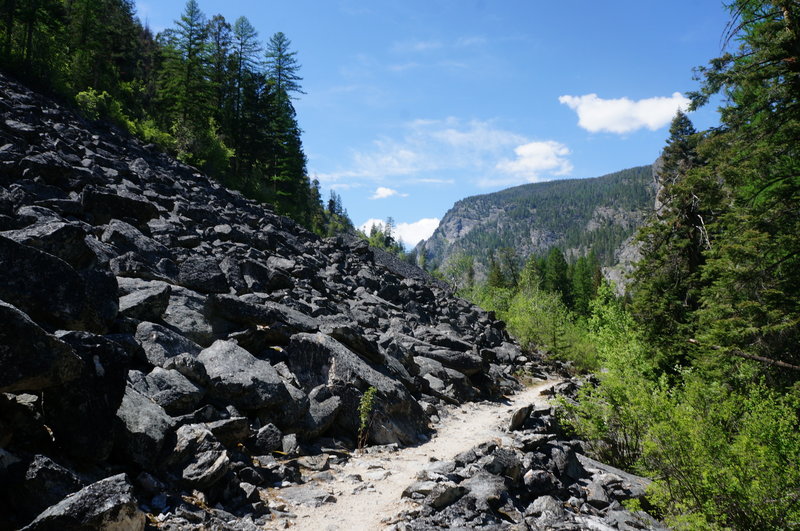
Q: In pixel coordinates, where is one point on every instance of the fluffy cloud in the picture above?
(382, 193)
(536, 158)
(408, 233)
(623, 115)
(437, 151)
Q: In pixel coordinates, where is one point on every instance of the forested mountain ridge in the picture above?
(577, 215)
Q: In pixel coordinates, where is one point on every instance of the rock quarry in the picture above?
(172, 355)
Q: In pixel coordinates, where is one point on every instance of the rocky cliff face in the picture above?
(162, 338)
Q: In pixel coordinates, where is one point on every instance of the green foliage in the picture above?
(365, 407)
(382, 237)
(721, 456)
(200, 90)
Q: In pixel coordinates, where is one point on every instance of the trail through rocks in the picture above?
(373, 501)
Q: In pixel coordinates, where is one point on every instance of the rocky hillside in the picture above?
(576, 215)
(167, 347)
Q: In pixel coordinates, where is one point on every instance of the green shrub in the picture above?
(365, 407)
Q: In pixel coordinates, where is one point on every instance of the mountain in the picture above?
(576, 215)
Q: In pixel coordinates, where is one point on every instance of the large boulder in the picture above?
(318, 359)
(82, 418)
(237, 377)
(141, 430)
(58, 298)
(159, 343)
(107, 504)
(30, 358)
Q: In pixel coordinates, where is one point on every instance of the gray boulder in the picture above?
(30, 358)
(237, 377)
(107, 504)
(160, 343)
(142, 428)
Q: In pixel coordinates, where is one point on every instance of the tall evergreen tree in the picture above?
(667, 281)
(282, 66)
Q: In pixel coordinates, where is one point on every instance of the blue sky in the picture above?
(412, 105)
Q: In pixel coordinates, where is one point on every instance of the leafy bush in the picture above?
(721, 456)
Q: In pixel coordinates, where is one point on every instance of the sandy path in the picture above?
(373, 503)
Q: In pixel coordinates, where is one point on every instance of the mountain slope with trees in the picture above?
(209, 91)
(577, 215)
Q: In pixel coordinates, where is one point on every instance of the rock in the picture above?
(596, 495)
(198, 458)
(318, 359)
(141, 430)
(82, 418)
(171, 390)
(306, 495)
(546, 507)
(127, 238)
(267, 440)
(103, 207)
(107, 504)
(486, 489)
(202, 274)
(58, 298)
(63, 240)
(146, 304)
(186, 313)
(160, 343)
(30, 358)
(230, 432)
(444, 494)
(239, 378)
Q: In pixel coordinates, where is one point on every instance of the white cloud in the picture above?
(408, 233)
(441, 151)
(537, 158)
(623, 115)
(382, 193)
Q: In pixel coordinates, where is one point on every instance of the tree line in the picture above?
(207, 90)
(700, 380)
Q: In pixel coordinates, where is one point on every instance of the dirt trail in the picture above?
(373, 503)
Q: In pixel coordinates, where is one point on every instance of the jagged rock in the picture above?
(82, 418)
(141, 430)
(230, 432)
(186, 312)
(145, 304)
(237, 377)
(488, 490)
(198, 458)
(267, 440)
(103, 207)
(30, 358)
(307, 495)
(58, 297)
(107, 504)
(171, 390)
(45, 483)
(203, 274)
(64, 240)
(318, 359)
(160, 343)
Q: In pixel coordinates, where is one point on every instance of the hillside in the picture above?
(175, 356)
(576, 214)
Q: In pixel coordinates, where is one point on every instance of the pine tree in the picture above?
(282, 66)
